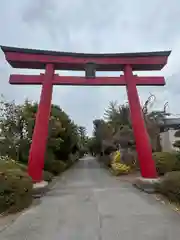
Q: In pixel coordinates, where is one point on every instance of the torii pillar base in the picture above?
(39, 189)
(147, 185)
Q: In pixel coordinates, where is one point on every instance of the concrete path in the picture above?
(89, 204)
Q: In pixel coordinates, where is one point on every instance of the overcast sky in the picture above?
(93, 26)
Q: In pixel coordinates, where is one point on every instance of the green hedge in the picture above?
(177, 165)
(47, 176)
(130, 159)
(15, 190)
(16, 185)
(170, 186)
(166, 162)
(7, 163)
(73, 158)
(55, 166)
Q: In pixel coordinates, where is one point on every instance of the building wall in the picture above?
(168, 139)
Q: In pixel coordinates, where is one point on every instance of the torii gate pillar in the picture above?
(143, 147)
(40, 134)
(50, 61)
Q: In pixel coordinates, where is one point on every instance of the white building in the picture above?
(168, 129)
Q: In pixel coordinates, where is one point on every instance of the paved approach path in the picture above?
(87, 203)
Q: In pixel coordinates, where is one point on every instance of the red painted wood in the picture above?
(42, 60)
(38, 61)
(22, 79)
(98, 81)
(143, 146)
(40, 134)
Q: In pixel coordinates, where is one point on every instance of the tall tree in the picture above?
(17, 125)
(117, 115)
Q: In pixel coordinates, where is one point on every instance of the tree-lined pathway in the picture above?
(87, 203)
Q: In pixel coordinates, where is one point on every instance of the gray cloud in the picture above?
(92, 26)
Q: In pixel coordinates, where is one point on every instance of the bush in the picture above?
(8, 163)
(176, 144)
(81, 153)
(170, 186)
(15, 190)
(177, 165)
(120, 169)
(55, 166)
(74, 157)
(165, 162)
(47, 176)
(130, 159)
(116, 157)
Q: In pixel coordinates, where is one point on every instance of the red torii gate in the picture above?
(90, 63)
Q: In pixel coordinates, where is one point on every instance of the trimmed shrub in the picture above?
(15, 190)
(165, 162)
(117, 167)
(55, 166)
(116, 157)
(170, 186)
(130, 159)
(72, 159)
(81, 153)
(47, 176)
(120, 169)
(8, 163)
(177, 133)
(177, 165)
